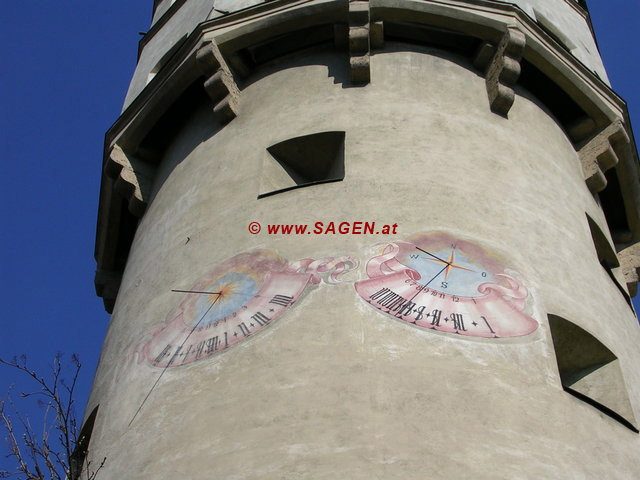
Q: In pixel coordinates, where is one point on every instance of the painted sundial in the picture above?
(234, 301)
(436, 281)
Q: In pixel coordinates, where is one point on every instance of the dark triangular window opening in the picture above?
(590, 371)
(607, 256)
(81, 450)
(303, 161)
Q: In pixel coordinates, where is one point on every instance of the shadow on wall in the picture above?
(192, 120)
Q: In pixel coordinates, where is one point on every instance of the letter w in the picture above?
(300, 229)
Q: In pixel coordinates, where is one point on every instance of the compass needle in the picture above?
(430, 254)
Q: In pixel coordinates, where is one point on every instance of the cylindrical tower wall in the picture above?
(335, 388)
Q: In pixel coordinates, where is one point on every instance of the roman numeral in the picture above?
(388, 298)
(391, 300)
(398, 302)
(488, 326)
(175, 354)
(244, 329)
(436, 315)
(379, 293)
(458, 321)
(199, 349)
(282, 300)
(164, 353)
(186, 354)
(212, 345)
(260, 318)
(406, 309)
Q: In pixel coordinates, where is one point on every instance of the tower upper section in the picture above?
(543, 47)
(566, 21)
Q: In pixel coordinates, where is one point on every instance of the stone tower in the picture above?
(385, 239)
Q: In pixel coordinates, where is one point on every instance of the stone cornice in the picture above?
(541, 49)
(181, 69)
(487, 20)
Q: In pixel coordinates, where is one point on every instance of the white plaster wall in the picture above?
(226, 6)
(183, 21)
(161, 9)
(334, 389)
(566, 18)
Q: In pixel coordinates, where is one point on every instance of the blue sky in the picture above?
(66, 67)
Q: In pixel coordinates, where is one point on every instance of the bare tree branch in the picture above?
(54, 453)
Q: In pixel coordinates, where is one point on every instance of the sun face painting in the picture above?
(228, 294)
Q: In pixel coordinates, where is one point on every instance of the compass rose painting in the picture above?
(234, 301)
(438, 282)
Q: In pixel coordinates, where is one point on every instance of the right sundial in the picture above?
(439, 282)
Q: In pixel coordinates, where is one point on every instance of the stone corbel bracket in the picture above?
(630, 263)
(359, 42)
(219, 84)
(376, 34)
(502, 69)
(132, 179)
(361, 35)
(599, 154)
